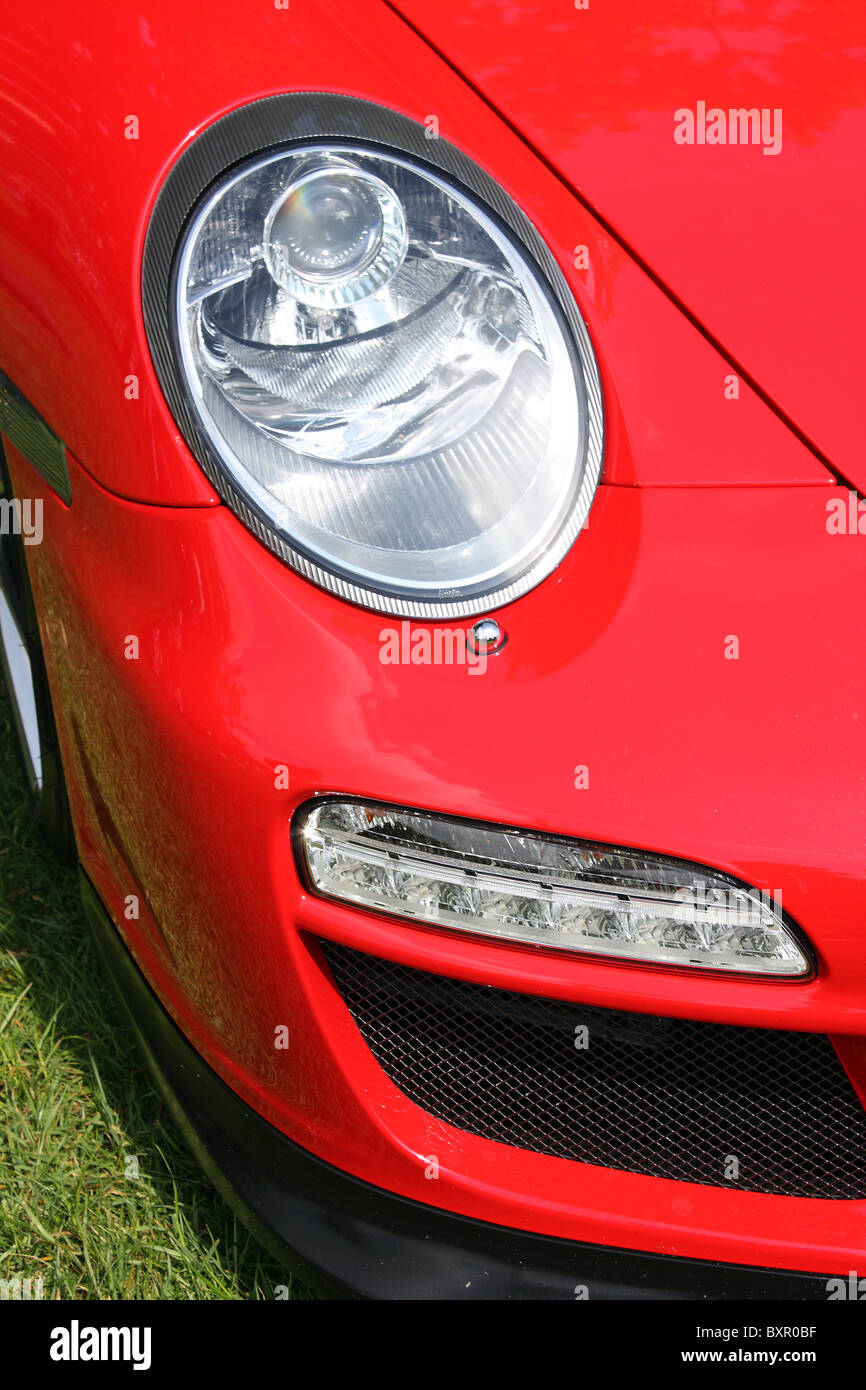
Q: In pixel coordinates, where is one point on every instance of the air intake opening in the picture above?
(666, 1097)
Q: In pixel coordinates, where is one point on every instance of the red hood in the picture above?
(766, 251)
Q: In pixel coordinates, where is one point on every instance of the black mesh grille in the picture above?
(661, 1096)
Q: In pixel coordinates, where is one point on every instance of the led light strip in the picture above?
(363, 855)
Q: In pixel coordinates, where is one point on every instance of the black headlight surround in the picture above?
(291, 120)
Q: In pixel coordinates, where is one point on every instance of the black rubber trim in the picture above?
(25, 428)
(351, 1239)
(290, 120)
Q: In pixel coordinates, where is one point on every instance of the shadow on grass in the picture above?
(98, 1195)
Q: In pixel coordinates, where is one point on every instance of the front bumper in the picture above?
(247, 678)
(349, 1238)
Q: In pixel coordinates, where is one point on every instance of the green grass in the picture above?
(76, 1106)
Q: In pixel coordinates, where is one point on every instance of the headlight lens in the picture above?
(569, 894)
(385, 378)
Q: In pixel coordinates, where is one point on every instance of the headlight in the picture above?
(542, 890)
(383, 373)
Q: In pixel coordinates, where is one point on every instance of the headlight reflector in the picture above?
(567, 894)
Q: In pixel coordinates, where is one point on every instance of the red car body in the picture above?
(710, 521)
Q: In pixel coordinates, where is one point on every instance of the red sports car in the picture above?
(432, 577)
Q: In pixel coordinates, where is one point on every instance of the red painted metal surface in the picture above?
(765, 250)
(711, 524)
(754, 766)
(76, 195)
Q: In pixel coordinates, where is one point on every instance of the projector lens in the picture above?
(335, 236)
